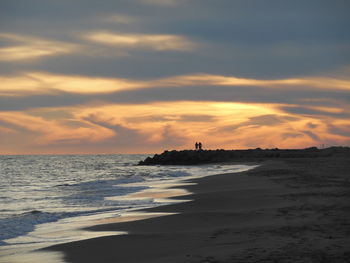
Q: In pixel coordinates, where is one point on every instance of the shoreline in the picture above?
(279, 211)
(138, 191)
(159, 191)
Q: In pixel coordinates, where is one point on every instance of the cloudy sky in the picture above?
(142, 76)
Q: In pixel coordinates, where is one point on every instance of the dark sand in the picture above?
(292, 210)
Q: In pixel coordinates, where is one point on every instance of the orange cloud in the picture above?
(146, 41)
(28, 48)
(218, 80)
(232, 125)
(35, 132)
(154, 127)
(42, 82)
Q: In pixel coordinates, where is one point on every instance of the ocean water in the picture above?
(53, 193)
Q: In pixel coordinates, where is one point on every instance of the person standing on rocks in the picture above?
(196, 145)
(200, 146)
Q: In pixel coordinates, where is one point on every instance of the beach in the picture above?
(174, 131)
(285, 210)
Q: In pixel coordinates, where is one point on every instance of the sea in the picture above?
(48, 199)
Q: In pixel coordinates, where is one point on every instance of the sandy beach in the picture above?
(286, 210)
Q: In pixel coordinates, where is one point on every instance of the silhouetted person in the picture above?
(196, 145)
(200, 146)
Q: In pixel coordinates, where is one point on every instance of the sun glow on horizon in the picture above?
(156, 126)
(99, 125)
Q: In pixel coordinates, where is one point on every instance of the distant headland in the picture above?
(191, 157)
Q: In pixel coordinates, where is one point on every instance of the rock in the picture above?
(191, 157)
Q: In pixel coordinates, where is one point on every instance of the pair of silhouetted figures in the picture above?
(198, 146)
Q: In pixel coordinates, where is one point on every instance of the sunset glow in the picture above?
(124, 83)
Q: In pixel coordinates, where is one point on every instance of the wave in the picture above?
(46, 189)
(23, 223)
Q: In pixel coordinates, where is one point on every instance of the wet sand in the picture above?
(292, 210)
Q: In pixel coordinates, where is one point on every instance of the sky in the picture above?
(143, 76)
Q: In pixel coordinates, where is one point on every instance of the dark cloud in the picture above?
(149, 118)
(292, 135)
(260, 39)
(196, 118)
(258, 121)
(52, 114)
(62, 99)
(302, 97)
(123, 136)
(170, 138)
(14, 127)
(223, 93)
(311, 125)
(268, 120)
(75, 124)
(171, 118)
(339, 130)
(300, 110)
(312, 135)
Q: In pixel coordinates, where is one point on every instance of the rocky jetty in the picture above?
(190, 157)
